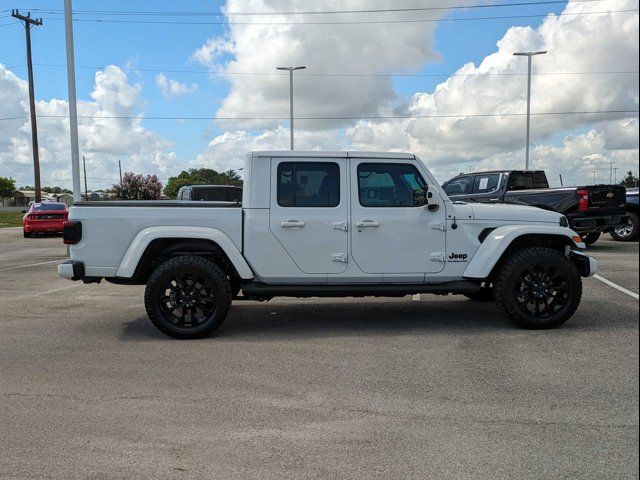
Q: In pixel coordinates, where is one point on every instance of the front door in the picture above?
(309, 212)
(390, 234)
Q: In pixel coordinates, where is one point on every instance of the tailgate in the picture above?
(607, 199)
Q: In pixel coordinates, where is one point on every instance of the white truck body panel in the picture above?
(109, 231)
(345, 243)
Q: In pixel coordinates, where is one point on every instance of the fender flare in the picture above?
(139, 244)
(497, 242)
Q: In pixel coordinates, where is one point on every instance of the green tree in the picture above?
(7, 187)
(630, 180)
(137, 187)
(200, 176)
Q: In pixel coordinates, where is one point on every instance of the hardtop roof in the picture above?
(333, 154)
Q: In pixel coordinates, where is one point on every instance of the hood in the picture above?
(519, 213)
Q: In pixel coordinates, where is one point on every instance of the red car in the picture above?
(44, 217)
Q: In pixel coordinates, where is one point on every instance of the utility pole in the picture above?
(86, 191)
(594, 177)
(291, 70)
(610, 173)
(73, 109)
(120, 170)
(28, 23)
(528, 55)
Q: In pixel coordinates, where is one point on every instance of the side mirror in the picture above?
(432, 199)
(24, 211)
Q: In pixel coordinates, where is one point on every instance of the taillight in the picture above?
(583, 202)
(72, 232)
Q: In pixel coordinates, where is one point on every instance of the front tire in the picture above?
(26, 234)
(538, 288)
(187, 297)
(627, 232)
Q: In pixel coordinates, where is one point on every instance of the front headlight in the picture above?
(564, 221)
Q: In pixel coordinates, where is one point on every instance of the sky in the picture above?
(164, 86)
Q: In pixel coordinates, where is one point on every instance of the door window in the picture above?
(457, 186)
(308, 184)
(390, 185)
(486, 183)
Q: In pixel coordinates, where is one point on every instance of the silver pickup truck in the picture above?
(328, 224)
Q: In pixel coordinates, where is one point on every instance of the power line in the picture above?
(309, 12)
(320, 74)
(361, 22)
(361, 117)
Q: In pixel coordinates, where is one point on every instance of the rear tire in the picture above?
(628, 232)
(26, 234)
(591, 238)
(187, 297)
(538, 288)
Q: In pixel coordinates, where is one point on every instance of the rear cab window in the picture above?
(527, 180)
(308, 184)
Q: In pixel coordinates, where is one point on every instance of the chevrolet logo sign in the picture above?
(610, 195)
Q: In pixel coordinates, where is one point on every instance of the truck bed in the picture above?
(109, 228)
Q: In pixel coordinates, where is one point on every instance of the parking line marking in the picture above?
(55, 290)
(617, 287)
(31, 265)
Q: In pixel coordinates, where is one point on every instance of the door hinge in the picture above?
(439, 226)
(339, 257)
(437, 257)
(340, 226)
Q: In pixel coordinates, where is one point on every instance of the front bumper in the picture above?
(587, 266)
(604, 223)
(71, 270)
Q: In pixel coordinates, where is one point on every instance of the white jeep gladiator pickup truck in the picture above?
(317, 224)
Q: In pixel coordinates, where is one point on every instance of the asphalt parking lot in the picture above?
(429, 387)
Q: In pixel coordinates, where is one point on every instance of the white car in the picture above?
(328, 224)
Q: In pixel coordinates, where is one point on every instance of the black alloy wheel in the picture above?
(538, 288)
(187, 297)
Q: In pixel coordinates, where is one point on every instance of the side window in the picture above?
(486, 183)
(457, 186)
(390, 185)
(308, 184)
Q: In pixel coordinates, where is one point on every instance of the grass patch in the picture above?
(11, 219)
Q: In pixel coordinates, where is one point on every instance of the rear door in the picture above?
(309, 212)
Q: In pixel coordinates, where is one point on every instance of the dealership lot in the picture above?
(345, 388)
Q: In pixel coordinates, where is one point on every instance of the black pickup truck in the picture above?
(591, 210)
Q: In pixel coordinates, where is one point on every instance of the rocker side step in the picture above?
(262, 290)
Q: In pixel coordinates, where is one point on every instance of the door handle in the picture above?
(292, 224)
(367, 224)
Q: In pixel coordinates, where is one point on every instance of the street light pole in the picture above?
(73, 109)
(528, 55)
(291, 70)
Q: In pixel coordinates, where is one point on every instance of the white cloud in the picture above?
(575, 44)
(173, 88)
(114, 132)
(374, 48)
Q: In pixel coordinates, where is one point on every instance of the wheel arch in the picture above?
(154, 245)
(500, 243)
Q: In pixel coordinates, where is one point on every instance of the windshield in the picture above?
(40, 207)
